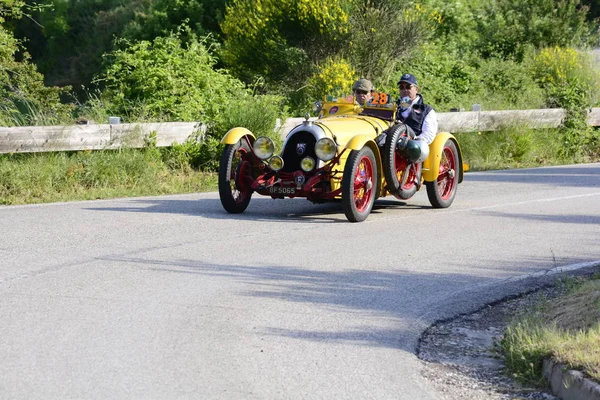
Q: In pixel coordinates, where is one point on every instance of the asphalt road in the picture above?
(170, 297)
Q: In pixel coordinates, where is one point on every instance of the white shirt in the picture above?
(430, 124)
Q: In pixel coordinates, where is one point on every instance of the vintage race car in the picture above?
(350, 155)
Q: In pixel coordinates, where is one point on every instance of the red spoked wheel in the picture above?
(442, 191)
(234, 169)
(402, 176)
(359, 184)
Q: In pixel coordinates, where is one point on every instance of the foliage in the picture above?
(67, 38)
(62, 176)
(159, 17)
(383, 34)
(504, 85)
(24, 100)
(507, 28)
(277, 39)
(167, 80)
(572, 82)
(334, 76)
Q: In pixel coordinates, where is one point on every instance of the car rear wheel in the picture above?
(234, 189)
(401, 175)
(442, 191)
(359, 184)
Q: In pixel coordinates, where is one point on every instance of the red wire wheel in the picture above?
(442, 191)
(359, 184)
(401, 175)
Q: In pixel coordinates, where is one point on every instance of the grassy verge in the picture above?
(524, 148)
(67, 176)
(566, 329)
(51, 177)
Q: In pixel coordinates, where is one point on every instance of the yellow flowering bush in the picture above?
(333, 77)
(572, 82)
(554, 66)
(569, 77)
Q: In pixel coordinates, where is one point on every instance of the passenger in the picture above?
(362, 90)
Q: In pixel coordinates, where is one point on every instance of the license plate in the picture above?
(282, 190)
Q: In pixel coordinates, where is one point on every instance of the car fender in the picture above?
(235, 134)
(431, 166)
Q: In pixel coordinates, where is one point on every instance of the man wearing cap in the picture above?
(362, 89)
(416, 115)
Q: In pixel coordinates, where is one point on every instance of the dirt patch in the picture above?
(460, 357)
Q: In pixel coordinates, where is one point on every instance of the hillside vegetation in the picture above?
(248, 62)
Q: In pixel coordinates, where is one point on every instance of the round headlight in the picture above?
(307, 164)
(276, 163)
(263, 147)
(325, 149)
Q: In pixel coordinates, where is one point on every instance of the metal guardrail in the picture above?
(28, 139)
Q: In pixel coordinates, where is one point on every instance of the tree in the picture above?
(159, 17)
(508, 27)
(280, 40)
(24, 100)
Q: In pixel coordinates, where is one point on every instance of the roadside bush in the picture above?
(203, 151)
(505, 85)
(571, 81)
(166, 80)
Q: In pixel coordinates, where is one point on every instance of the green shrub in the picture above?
(508, 28)
(571, 81)
(203, 151)
(166, 80)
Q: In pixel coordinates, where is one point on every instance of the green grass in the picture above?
(51, 177)
(566, 329)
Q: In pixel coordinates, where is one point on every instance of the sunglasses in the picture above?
(404, 87)
(360, 92)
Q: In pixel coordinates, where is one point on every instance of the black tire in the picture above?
(400, 174)
(234, 192)
(442, 191)
(359, 184)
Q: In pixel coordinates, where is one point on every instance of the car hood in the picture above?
(342, 128)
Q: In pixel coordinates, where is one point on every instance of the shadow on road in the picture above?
(394, 297)
(260, 209)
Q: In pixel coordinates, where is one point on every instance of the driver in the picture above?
(362, 90)
(418, 117)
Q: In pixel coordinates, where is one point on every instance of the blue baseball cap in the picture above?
(408, 78)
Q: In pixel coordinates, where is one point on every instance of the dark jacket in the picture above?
(416, 116)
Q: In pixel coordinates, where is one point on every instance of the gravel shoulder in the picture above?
(459, 357)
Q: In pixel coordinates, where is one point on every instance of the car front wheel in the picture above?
(359, 184)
